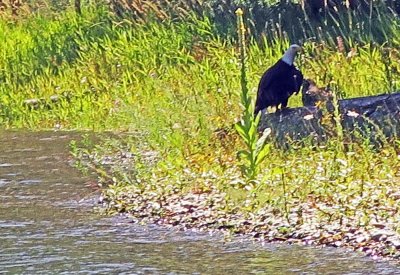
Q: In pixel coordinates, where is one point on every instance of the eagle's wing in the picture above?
(268, 78)
(267, 81)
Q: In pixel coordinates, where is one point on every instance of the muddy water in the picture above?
(47, 226)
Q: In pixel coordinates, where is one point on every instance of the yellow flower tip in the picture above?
(239, 12)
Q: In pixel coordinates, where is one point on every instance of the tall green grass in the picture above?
(180, 76)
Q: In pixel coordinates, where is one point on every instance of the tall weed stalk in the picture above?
(256, 147)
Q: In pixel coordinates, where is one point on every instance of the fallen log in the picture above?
(376, 118)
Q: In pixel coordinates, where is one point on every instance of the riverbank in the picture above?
(349, 213)
(174, 86)
(48, 226)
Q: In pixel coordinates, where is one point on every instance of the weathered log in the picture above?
(376, 118)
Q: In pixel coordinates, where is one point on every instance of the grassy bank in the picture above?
(111, 74)
(313, 196)
(173, 88)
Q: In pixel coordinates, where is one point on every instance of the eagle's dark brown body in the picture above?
(277, 84)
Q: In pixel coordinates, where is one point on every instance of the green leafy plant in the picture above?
(256, 148)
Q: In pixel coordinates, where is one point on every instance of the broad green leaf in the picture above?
(240, 129)
(257, 118)
(244, 153)
(263, 153)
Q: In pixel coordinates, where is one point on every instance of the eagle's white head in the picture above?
(290, 54)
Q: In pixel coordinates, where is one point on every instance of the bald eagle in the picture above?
(279, 82)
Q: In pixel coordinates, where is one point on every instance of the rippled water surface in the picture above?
(47, 226)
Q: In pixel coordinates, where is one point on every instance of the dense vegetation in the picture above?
(171, 87)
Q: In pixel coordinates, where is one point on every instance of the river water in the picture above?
(48, 226)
